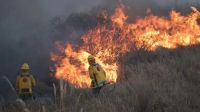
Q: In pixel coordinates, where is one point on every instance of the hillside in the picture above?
(166, 80)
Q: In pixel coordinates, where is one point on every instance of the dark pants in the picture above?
(26, 96)
(96, 91)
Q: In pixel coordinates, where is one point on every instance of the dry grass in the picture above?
(161, 81)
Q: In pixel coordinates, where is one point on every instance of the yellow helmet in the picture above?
(25, 66)
(91, 58)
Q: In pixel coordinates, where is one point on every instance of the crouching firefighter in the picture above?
(25, 83)
(97, 75)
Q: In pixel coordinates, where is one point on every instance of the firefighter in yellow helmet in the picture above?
(97, 75)
(25, 82)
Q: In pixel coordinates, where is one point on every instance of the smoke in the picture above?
(27, 35)
(138, 8)
(66, 7)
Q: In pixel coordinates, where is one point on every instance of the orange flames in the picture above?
(116, 37)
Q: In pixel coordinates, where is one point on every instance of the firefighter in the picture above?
(25, 83)
(97, 75)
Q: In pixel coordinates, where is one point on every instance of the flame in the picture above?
(110, 41)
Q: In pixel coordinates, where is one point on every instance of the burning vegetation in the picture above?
(115, 37)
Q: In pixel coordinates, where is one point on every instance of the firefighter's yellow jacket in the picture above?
(97, 75)
(25, 82)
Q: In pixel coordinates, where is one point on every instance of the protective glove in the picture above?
(92, 84)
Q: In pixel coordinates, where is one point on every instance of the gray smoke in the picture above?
(26, 32)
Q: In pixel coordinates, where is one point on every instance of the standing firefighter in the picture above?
(25, 83)
(97, 75)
